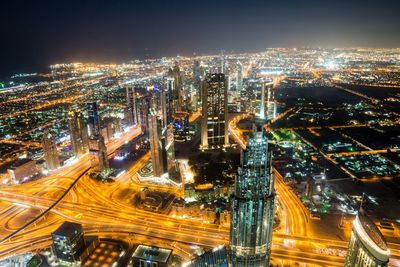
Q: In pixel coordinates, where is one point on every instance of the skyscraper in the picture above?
(214, 123)
(169, 101)
(266, 88)
(157, 142)
(239, 78)
(161, 145)
(177, 90)
(78, 133)
(50, 151)
(131, 105)
(97, 147)
(94, 119)
(367, 247)
(253, 202)
(68, 242)
(98, 153)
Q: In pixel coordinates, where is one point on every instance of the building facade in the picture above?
(50, 151)
(78, 133)
(367, 247)
(94, 119)
(214, 123)
(68, 242)
(131, 105)
(253, 202)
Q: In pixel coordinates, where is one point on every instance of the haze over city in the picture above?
(37, 34)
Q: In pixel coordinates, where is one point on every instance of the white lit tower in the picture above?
(367, 247)
(253, 205)
(266, 94)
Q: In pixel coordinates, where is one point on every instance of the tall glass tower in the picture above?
(253, 205)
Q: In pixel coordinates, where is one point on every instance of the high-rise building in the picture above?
(161, 145)
(97, 146)
(98, 153)
(131, 105)
(143, 107)
(94, 119)
(78, 133)
(169, 101)
(266, 94)
(50, 151)
(239, 78)
(367, 247)
(157, 142)
(253, 202)
(196, 71)
(68, 242)
(217, 257)
(214, 123)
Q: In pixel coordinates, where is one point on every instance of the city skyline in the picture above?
(200, 133)
(46, 33)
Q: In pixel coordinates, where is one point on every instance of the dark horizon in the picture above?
(36, 35)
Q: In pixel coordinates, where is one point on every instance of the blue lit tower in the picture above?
(253, 205)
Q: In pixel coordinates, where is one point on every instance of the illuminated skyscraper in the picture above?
(177, 89)
(266, 91)
(94, 119)
(98, 153)
(97, 147)
(169, 101)
(78, 133)
(253, 205)
(214, 123)
(50, 151)
(131, 105)
(161, 145)
(367, 247)
(239, 78)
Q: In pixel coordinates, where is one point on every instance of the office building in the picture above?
(50, 151)
(367, 247)
(150, 256)
(93, 119)
(22, 170)
(78, 133)
(68, 242)
(181, 126)
(214, 123)
(98, 153)
(266, 99)
(239, 78)
(217, 257)
(161, 145)
(252, 210)
(131, 105)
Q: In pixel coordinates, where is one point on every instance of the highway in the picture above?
(104, 209)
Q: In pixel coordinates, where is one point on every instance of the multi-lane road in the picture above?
(105, 210)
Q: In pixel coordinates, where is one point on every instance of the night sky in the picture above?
(35, 34)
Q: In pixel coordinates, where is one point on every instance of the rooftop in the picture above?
(68, 229)
(372, 231)
(152, 253)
